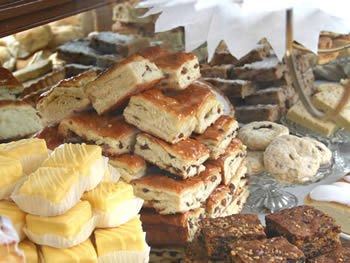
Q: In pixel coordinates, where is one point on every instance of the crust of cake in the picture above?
(51, 136)
(153, 53)
(130, 162)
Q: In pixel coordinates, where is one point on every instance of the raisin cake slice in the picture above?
(219, 135)
(168, 195)
(183, 159)
(180, 70)
(172, 229)
(112, 133)
(65, 98)
(130, 166)
(115, 86)
(234, 88)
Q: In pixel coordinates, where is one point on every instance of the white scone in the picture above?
(255, 162)
(183, 159)
(181, 227)
(231, 160)
(50, 191)
(301, 116)
(180, 70)
(87, 159)
(15, 214)
(18, 119)
(111, 133)
(292, 159)
(160, 115)
(116, 85)
(219, 135)
(12, 173)
(29, 41)
(62, 231)
(325, 153)
(259, 134)
(168, 196)
(113, 204)
(65, 98)
(125, 243)
(130, 166)
(30, 152)
(10, 87)
(333, 199)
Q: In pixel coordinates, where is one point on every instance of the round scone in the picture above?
(291, 159)
(324, 152)
(258, 135)
(255, 162)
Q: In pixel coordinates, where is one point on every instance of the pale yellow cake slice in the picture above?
(87, 159)
(125, 243)
(29, 250)
(50, 191)
(113, 203)
(16, 215)
(11, 173)
(30, 152)
(82, 253)
(62, 231)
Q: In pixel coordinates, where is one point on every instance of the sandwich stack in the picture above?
(58, 201)
(258, 83)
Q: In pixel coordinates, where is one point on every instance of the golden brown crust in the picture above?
(216, 131)
(133, 161)
(5, 103)
(51, 136)
(8, 80)
(153, 53)
(188, 149)
(234, 146)
(219, 193)
(174, 61)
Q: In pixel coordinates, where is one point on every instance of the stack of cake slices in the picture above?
(59, 202)
(258, 83)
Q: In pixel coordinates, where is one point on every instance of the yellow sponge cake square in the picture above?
(11, 172)
(16, 215)
(29, 250)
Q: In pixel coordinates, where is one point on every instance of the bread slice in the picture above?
(168, 196)
(19, 120)
(115, 86)
(183, 159)
(10, 87)
(112, 133)
(180, 70)
(65, 98)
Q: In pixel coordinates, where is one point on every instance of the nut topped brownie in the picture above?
(311, 230)
(338, 255)
(276, 249)
(218, 233)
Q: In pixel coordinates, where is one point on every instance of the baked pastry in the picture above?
(219, 135)
(171, 230)
(113, 204)
(125, 243)
(311, 230)
(65, 98)
(238, 202)
(292, 159)
(51, 137)
(21, 120)
(124, 45)
(84, 252)
(111, 133)
(223, 56)
(152, 53)
(218, 233)
(33, 71)
(258, 53)
(276, 249)
(130, 166)
(255, 162)
(218, 71)
(10, 87)
(324, 153)
(29, 250)
(234, 88)
(273, 95)
(9, 243)
(30, 152)
(180, 70)
(6, 59)
(183, 159)
(168, 196)
(108, 60)
(73, 69)
(12, 173)
(301, 116)
(61, 231)
(340, 254)
(64, 33)
(50, 191)
(260, 112)
(258, 135)
(120, 82)
(218, 200)
(231, 161)
(333, 200)
(86, 159)
(167, 254)
(16, 215)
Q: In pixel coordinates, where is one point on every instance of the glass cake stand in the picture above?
(333, 142)
(268, 194)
